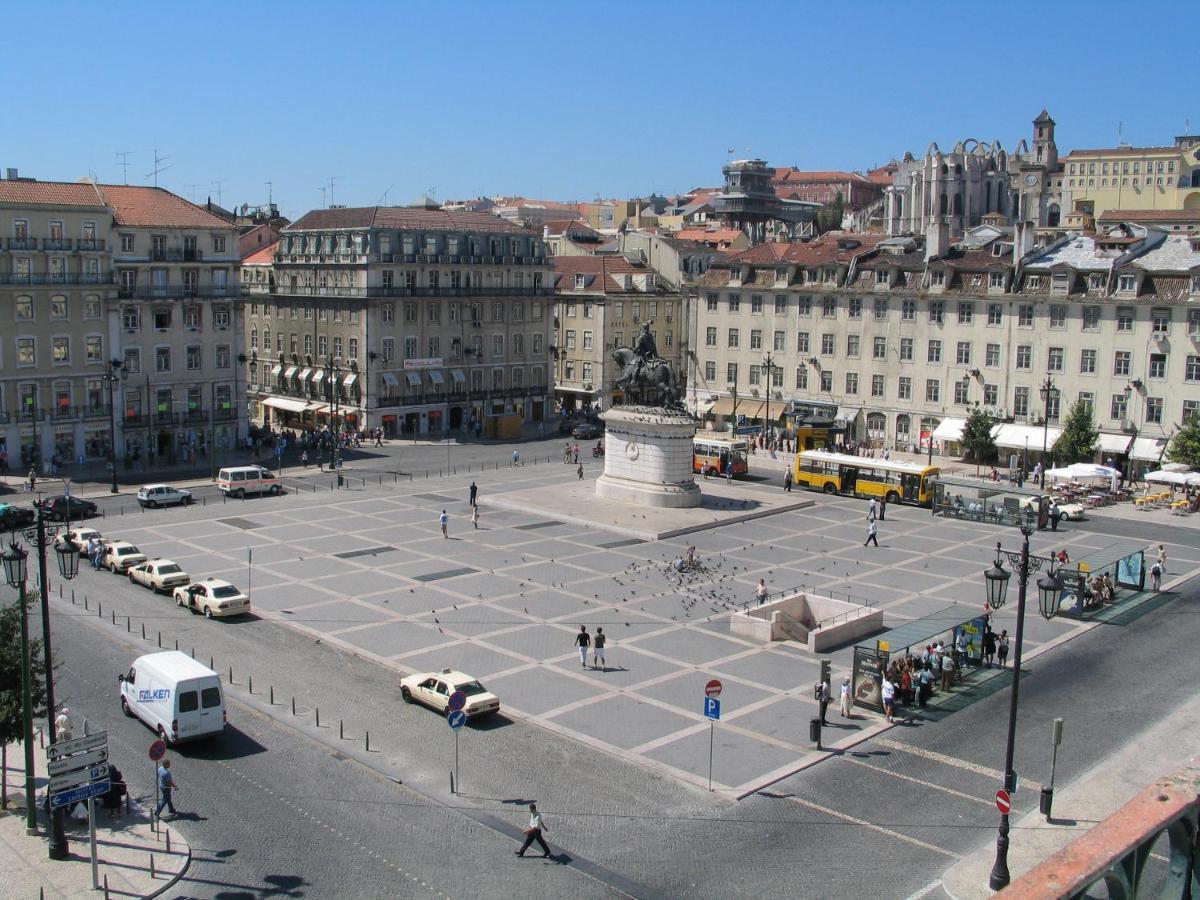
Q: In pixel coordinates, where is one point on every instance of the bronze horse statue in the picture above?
(654, 385)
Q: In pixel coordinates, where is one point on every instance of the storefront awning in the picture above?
(723, 406)
(1114, 443)
(1017, 437)
(276, 369)
(290, 371)
(949, 430)
(413, 378)
(303, 374)
(436, 376)
(286, 403)
(1148, 448)
(848, 414)
(704, 407)
(458, 375)
(390, 379)
(349, 379)
(571, 390)
(318, 376)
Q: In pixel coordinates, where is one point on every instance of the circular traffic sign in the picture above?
(1003, 802)
(157, 751)
(713, 688)
(457, 719)
(457, 701)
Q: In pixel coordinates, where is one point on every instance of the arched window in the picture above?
(958, 204)
(942, 205)
(876, 426)
(902, 427)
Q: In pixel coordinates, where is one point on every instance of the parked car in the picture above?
(567, 424)
(213, 597)
(1071, 511)
(79, 537)
(156, 495)
(14, 517)
(63, 508)
(434, 689)
(160, 575)
(119, 556)
(586, 431)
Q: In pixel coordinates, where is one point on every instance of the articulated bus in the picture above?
(860, 476)
(712, 454)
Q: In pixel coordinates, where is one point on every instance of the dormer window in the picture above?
(1060, 283)
(1095, 282)
(995, 279)
(1127, 284)
(881, 277)
(1033, 282)
(937, 277)
(580, 282)
(1196, 284)
(977, 280)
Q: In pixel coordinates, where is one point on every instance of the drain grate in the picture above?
(369, 551)
(536, 525)
(244, 524)
(449, 573)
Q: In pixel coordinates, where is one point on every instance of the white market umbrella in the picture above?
(1164, 477)
(1086, 470)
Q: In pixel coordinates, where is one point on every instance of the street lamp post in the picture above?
(332, 370)
(996, 580)
(1048, 392)
(768, 364)
(112, 378)
(14, 574)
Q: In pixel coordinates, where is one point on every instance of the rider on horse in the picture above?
(645, 352)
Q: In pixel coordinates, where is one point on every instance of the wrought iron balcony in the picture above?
(318, 290)
(95, 411)
(135, 420)
(21, 243)
(176, 291)
(56, 243)
(85, 245)
(166, 418)
(44, 278)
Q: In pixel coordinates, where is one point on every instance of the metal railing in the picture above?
(176, 255)
(89, 244)
(321, 290)
(44, 278)
(773, 596)
(135, 420)
(176, 291)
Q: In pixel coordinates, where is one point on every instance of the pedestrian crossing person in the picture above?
(872, 533)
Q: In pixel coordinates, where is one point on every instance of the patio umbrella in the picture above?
(1164, 477)
(1086, 470)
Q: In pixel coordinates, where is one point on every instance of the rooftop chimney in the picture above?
(937, 239)
(10, 174)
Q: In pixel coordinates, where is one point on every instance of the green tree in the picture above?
(10, 671)
(830, 217)
(1185, 445)
(977, 436)
(1079, 438)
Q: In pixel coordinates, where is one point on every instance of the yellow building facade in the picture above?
(1096, 181)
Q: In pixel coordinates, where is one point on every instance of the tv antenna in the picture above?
(192, 190)
(324, 195)
(332, 181)
(159, 168)
(383, 199)
(217, 184)
(123, 159)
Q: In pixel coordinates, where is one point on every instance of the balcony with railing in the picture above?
(31, 415)
(56, 243)
(226, 414)
(320, 290)
(166, 418)
(193, 416)
(175, 291)
(39, 278)
(135, 420)
(95, 411)
(89, 245)
(21, 243)
(175, 254)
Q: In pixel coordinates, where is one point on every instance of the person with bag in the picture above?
(534, 833)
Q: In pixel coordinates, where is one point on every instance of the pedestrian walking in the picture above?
(166, 788)
(989, 647)
(873, 509)
(567, 453)
(872, 533)
(888, 692)
(844, 698)
(474, 492)
(1155, 576)
(598, 649)
(64, 728)
(541, 431)
(760, 592)
(475, 516)
(948, 669)
(32, 479)
(824, 695)
(579, 471)
(304, 458)
(1162, 559)
(787, 481)
(1002, 649)
(729, 471)
(444, 522)
(575, 453)
(583, 640)
(882, 508)
(516, 458)
(1054, 515)
(534, 832)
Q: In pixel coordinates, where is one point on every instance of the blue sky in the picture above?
(563, 100)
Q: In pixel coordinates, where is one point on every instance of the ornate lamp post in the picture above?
(116, 369)
(768, 365)
(1048, 392)
(332, 370)
(14, 574)
(996, 580)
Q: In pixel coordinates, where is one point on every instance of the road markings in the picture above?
(928, 889)
(963, 764)
(863, 823)
(928, 784)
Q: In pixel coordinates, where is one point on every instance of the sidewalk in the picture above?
(1083, 803)
(125, 846)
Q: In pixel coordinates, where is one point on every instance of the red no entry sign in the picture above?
(1003, 803)
(712, 689)
(157, 751)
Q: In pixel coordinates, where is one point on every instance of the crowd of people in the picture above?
(913, 679)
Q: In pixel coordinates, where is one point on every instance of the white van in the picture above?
(176, 696)
(242, 480)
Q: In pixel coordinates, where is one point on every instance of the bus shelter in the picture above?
(983, 500)
(872, 658)
(1125, 565)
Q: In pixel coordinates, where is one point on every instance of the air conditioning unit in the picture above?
(1159, 335)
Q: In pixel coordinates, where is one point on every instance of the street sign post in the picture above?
(1003, 802)
(69, 798)
(457, 701)
(456, 720)
(712, 708)
(77, 745)
(713, 688)
(78, 770)
(712, 711)
(78, 761)
(69, 780)
(157, 751)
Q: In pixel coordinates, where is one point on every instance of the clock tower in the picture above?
(1044, 151)
(1039, 177)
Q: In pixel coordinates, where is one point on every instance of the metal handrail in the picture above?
(804, 589)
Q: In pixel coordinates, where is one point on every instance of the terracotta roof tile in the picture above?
(49, 193)
(600, 273)
(135, 205)
(403, 217)
(263, 257)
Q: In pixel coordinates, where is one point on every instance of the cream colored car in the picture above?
(160, 575)
(212, 597)
(79, 537)
(434, 689)
(120, 556)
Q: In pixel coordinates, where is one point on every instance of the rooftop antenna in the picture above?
(192, 190)
(324, 191)
(383, 199)
(1120, 133)
(159, 168)
(217, 184)
(432, 192)
(1187, 126)
(123, 158)
(332, 181)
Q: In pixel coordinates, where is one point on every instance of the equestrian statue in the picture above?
(646, 379)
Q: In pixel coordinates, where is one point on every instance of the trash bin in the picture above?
(814, 730)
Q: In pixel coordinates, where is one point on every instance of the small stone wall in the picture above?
(795, 618)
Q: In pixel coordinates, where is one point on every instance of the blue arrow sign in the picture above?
(457, 719)
(712, 708)
(67, 798)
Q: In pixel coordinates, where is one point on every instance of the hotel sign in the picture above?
(433, 362)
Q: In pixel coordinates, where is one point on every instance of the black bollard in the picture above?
(368, 742)
(250, 683)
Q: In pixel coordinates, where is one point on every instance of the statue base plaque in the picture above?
(648, 458)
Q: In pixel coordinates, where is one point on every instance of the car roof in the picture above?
(150, 487)
(216, 582)
(120, 543)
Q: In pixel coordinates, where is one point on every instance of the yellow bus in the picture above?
(861, 476)
(712, 454)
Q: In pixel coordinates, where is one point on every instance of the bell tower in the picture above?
(1045, 153)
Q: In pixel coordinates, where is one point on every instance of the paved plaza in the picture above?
(368, 570)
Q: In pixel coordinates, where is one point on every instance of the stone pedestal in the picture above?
(648, 458)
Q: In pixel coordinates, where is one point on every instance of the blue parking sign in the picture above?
(712, 708)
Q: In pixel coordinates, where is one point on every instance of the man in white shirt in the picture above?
(889, 698)
(534, 833)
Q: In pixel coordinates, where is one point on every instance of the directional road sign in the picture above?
(457, 701)
(713, 688)
(78, 761)
(712, 707)
(77, 745)
(157, 751)
(457, 719)
(95, 789)
(71, 780)
(1003, 803)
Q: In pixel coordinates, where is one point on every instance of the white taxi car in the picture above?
(213, 597)
(434, 690)
(79, 537)
(159, 575)
(120, 556)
